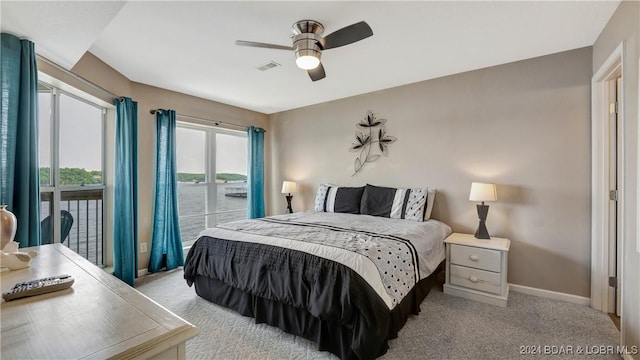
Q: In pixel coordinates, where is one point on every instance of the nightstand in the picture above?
(477, 268)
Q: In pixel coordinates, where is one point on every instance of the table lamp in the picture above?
(482, 192)
(289, 187)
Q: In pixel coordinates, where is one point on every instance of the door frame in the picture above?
(600, 250)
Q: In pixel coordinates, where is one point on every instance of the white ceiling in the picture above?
(189, 46)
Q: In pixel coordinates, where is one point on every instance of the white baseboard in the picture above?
(581, 300)
(142, 272)
(476, 295)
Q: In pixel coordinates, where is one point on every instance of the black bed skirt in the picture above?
(330, 336)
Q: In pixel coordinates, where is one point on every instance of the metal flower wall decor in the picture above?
(370, 143)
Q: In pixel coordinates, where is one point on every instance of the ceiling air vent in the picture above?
(268, 66)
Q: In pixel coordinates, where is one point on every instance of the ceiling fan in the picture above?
(308, 43)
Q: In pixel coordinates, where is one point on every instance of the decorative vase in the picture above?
(8, 226)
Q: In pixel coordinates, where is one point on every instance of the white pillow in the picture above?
(321, 195)
(431, 197)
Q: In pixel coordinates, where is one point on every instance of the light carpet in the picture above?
(448, 327)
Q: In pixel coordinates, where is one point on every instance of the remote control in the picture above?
(38, 286)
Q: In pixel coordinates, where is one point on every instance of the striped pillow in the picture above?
(338, 199)
(431, 198)
(409, 204)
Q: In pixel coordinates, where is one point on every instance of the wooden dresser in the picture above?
(99, 317)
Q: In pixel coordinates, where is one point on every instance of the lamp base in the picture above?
(481, 232)
(289, 210)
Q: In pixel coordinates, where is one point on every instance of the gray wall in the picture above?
(523, 125)
(624, 26)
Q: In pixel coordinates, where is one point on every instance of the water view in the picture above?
(85, 236)
(231, 200)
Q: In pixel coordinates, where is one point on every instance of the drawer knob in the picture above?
(473, 279)
(473, 257)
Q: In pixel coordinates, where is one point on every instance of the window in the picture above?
(212, 177)
(71, 152)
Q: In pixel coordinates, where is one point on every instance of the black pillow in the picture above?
(348, 200)
(377, 200)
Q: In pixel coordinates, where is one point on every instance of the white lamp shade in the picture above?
(289, 187)
(483, 192)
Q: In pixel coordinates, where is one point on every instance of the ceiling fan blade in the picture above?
(347, 35)
(262, 45)
(317, 73)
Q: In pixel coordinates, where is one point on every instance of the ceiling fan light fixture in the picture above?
(308, 43)
(307, 62)
(308, 57)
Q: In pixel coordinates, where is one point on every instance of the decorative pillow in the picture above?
(409, 204)
(321, 196)
(378, 201)
(338, 199)
(431, 197)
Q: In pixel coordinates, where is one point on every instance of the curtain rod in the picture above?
(215, 122)
(82, 79)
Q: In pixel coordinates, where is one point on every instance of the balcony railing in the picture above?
(86, 234)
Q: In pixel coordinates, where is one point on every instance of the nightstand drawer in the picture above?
(475, 279)
(474, 257)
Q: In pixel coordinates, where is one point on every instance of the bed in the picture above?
(347, 282)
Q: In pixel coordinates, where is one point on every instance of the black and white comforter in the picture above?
(391, 255)
(304, 260)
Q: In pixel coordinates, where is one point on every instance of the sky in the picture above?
(80, 138)
(231, 152)
(80, 133)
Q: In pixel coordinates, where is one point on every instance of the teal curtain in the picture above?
(255, 178)
(125, 217)
(19, 168)
(166, 244)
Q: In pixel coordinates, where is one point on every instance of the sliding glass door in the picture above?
(71, 156)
